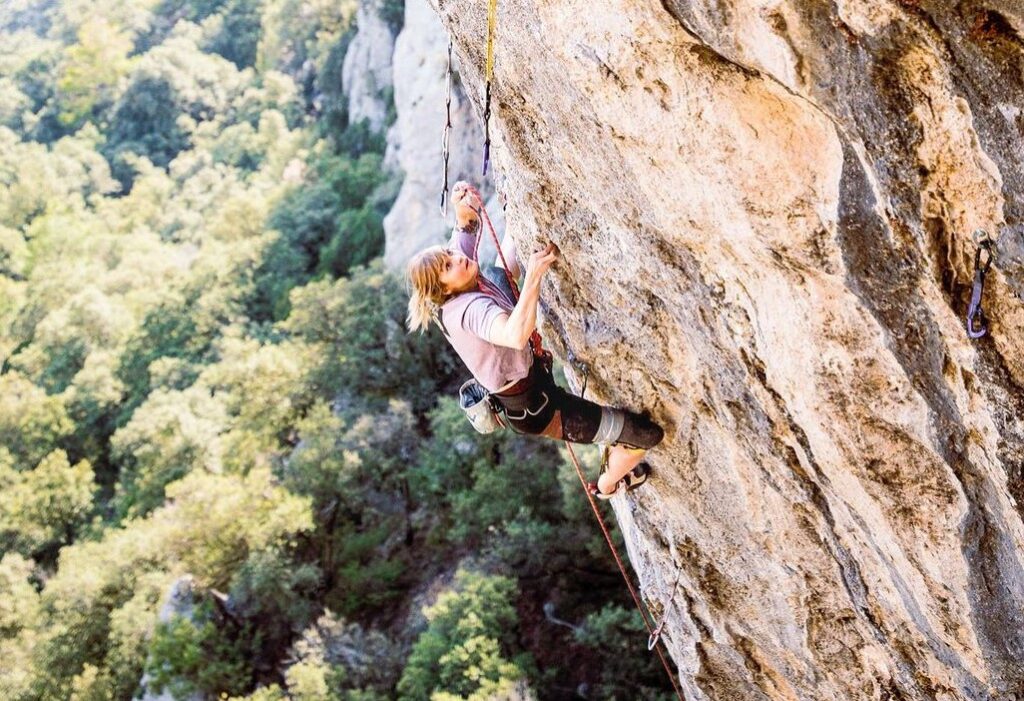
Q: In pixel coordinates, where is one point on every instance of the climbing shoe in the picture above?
(633, 479)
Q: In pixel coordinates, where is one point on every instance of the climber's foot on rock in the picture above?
(633, 479)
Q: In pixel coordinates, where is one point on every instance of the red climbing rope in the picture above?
(654, 635)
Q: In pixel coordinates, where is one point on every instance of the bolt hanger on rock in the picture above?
(982, 262)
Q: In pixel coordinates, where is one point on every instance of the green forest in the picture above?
(204, 372)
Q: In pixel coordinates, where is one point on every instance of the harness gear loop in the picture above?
(974, 310)
(653, 640)
(446, 134)
(492, 21)
(535, 340)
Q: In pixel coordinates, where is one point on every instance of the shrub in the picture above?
(464, 649)
(42, 509)
(393, 12)
(189, 655)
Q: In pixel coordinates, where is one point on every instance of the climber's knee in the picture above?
(639, 431)
(612, 421)
(625, 428)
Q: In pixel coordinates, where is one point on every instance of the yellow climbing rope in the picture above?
(492, 22)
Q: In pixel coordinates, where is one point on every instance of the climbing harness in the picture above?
(974, 311)
(488, 75)
(653, 640)
(446, 134)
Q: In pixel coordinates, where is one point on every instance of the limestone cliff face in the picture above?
(765, 211)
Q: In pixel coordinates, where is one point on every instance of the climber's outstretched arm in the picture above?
(467, 227)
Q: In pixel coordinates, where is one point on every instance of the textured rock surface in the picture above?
(366, 72)
(765, 212)
(414, 142)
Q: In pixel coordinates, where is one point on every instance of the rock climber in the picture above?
(491, 332)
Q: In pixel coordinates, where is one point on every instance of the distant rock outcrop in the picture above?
(765, 214)
(366, 71)
(180, 601)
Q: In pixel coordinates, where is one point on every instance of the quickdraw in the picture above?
(492, 21)
(446, 134)
(982, 262)
(656, 634)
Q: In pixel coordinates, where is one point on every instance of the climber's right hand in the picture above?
(539, 263)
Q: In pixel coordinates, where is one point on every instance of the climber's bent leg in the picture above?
(582, 421)
(630, 437)
(548, 410)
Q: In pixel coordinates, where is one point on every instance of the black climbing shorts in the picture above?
(583, 421)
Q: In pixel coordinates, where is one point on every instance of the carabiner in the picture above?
(981, 267)
(653, 640)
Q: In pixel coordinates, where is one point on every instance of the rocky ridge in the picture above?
(765, 212)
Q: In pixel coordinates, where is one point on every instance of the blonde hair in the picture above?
(426, 291)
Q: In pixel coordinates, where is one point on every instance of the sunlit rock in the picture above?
(765, 213)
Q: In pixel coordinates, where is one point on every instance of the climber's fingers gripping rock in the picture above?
(540, 262)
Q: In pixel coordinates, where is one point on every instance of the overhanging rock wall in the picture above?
(765, 213)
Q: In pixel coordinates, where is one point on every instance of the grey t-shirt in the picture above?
(467, 319)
